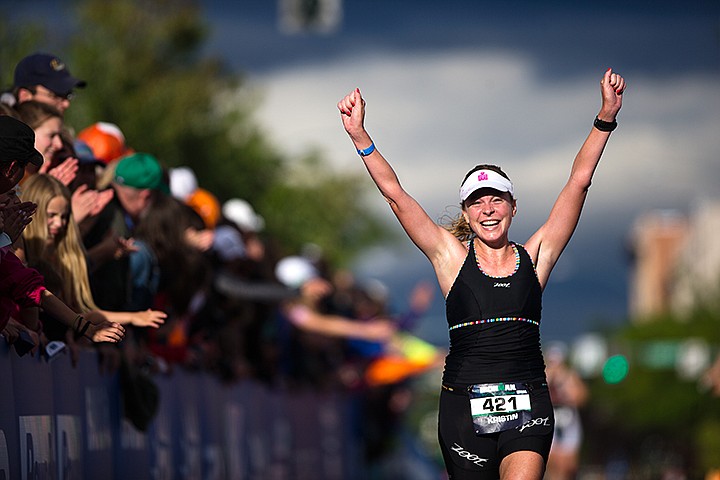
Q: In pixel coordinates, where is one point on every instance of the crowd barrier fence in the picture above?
(66, 423)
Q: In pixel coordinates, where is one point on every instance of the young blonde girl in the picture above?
(53, 239)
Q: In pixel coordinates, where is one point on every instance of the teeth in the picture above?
(489, 223)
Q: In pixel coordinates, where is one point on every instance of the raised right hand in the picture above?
(352, 114)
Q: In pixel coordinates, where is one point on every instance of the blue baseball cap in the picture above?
(85, 154)
(46, 70)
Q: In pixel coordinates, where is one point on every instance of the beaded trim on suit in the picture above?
(493, 320)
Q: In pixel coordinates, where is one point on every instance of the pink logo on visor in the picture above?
(482, 176)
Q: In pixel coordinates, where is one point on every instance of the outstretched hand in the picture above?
(106, 332)
(149, 318)
(101, 330)
(612, 87)
(352, 114)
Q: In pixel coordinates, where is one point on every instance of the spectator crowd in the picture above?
(105, 247)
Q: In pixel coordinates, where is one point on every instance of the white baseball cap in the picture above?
(295, 270)
(241, 212)
(183, 182)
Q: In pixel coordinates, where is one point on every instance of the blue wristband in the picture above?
(367, 151)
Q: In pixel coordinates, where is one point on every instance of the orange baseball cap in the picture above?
(106, 141)
(206, 205)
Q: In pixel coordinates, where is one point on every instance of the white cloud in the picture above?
(436, 115)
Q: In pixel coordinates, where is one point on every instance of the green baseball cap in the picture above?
(141, 171)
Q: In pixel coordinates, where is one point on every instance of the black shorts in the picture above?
(471, 456)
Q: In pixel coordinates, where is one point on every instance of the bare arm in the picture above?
(442, 248)
(142, 318)
(546, 245)
(93, 325)
(309, 320)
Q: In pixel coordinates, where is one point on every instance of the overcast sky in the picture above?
(453, 84)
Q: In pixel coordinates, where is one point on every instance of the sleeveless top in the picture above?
(494, 324)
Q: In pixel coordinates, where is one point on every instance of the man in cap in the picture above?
(43, 77)
(138, 177)
(138, 180)
(17, 149)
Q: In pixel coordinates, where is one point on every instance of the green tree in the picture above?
(309, 205)
(146, 73)
(654, 411)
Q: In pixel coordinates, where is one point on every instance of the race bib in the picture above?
(496, 407)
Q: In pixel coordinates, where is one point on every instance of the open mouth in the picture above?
(490, 223)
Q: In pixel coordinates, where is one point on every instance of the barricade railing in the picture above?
(63, 422)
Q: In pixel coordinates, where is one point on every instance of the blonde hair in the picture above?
(459, 227)
(69, 259)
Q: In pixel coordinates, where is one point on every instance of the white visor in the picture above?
(485, 179)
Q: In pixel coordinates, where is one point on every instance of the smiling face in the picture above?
(47, 138)
(58, 211)
(489, 213)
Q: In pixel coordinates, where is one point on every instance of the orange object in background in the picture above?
(206, 205)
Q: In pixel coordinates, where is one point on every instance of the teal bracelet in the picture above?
(367, 151)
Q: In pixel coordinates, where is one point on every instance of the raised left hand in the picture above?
(612, 87)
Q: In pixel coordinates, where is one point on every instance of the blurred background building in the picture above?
(675, 260)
